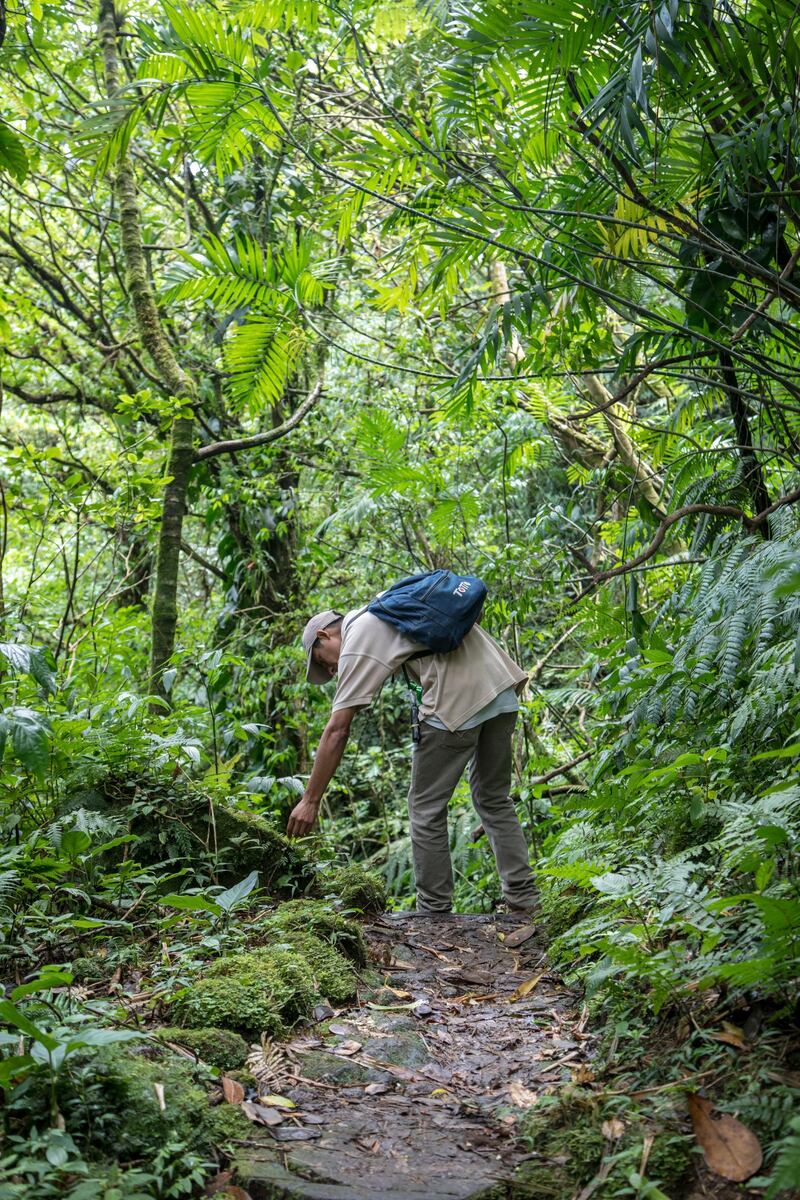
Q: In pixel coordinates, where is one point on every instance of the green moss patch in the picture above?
(218, 1047)
(356, 888)
(267, 989)
(319, 918)
(111, 1105)
(251, 993)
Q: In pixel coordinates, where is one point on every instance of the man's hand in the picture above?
(302, 818)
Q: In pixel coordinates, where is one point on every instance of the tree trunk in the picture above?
(753, 475)
(173, 377)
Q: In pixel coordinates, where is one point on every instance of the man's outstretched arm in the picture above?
(327, 759)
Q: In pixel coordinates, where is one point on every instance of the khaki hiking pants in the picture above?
(438, 763)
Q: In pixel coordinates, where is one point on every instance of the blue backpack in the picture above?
(438, 608)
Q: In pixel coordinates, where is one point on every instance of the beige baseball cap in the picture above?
(315, 673)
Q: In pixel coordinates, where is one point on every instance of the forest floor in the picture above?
(416, 1092)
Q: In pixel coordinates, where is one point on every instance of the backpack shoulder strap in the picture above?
(346, 624)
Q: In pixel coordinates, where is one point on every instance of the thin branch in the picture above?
(261, 439)
(751, 524)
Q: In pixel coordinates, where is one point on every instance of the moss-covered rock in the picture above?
(251, 993)
(334, 975)
(308, 956)
(112, 1105)
(173, 821)
(218, 1047)
(319, 918)
(247, 842)
(356, 888)
(333, 1068)
(227, 1124)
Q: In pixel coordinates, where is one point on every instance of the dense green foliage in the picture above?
(298, 298)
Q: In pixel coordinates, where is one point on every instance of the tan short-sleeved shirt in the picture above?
(454, 686)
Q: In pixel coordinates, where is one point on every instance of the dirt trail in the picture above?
(416, 1092)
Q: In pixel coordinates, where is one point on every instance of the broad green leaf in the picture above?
(11, 1015)
(191, 903)
(234, 895)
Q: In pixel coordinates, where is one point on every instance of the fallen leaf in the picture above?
(218, 1184)
(401, 995)
(261, 1115)
(399, 964)
(322, 1012)
(232, 1090)
(525, 988)
(277, 1102)
(339, 1030)
(521, 1096)
(520, 935)
(158, 1088)
(583, 1074)
(732, 1035)
(613, 1129)
(376, 1089)
(347, 1047)
(730, 1148)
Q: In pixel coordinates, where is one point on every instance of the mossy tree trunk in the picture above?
(174, 379)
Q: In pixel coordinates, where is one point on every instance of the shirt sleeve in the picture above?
(361, 677)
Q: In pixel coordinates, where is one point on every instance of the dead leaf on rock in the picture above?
(376, 1089)
(261, 1115)
(321, 1012)
(525, 988)
(339, 1030)
(231, 1090)
(613, 1129)
(519, 936)
(730, 1148)
(347, 1048)
(521, 1096)
(277, 1102)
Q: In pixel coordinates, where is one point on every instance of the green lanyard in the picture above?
(415, 695)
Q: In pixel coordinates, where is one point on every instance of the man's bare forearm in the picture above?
(329, 755)
(303, 816)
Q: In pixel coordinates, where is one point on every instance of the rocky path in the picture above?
(417, 1092)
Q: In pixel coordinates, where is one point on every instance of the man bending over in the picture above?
(467, 716)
